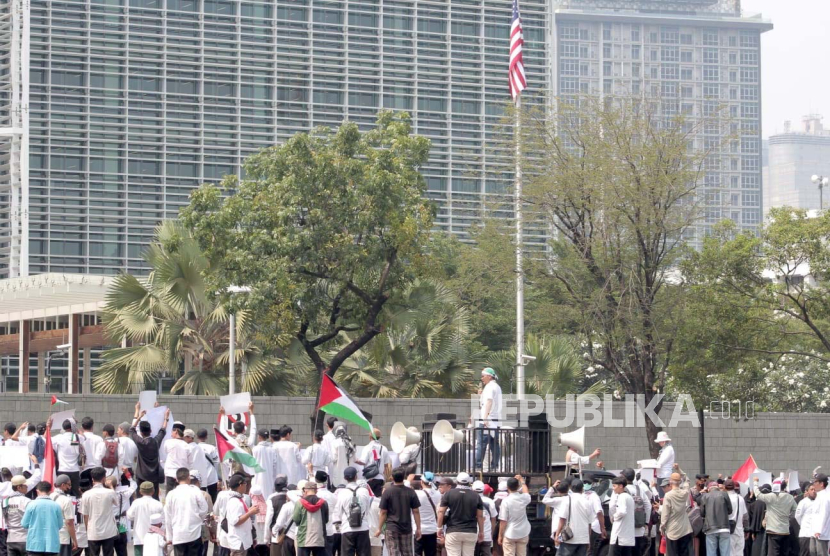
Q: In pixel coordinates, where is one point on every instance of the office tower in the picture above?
(133, 103)
(697, 58)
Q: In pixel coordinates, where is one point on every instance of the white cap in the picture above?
(155, 518)
(194, 474)
(503, 486)
(463, 479)
(478, 486)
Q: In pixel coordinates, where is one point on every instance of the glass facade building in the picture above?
(133, 103)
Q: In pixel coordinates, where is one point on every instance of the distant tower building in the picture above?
(794, 157)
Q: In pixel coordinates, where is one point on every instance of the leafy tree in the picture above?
(325, 230)
(174, 327)
(617, 182)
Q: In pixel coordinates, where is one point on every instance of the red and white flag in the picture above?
(55, 400)
(745, 471)
(518, 81)
(49, 458)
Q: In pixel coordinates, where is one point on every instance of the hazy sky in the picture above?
(795, 59)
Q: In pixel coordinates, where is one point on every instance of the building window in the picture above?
(711, 73)
(710, 37)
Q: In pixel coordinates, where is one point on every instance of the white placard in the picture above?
(650, 463)
(235, 403)
(60, 417)
(792, 480)
(744, 489)
(147, 399)
(14, 457)
(764, 477)
(647, 474)
(155, 417)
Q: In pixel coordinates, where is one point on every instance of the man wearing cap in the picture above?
(821, 524)
(428, 543)
(736, 538)
(376, 453)
(68, 537)
(490, 404)
(354, 538)
(780, 506)
(485, 547)
(177, 455)
(147, 463)
(311, 514)
(238, 514)
(208, 466)
(465, 524)
(674, 517)
(322, 480)
(154, 541)
(14, 507)
(665, 461)
(140, 512)
(42, 521)
(185, 510)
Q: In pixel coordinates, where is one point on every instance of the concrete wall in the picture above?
(777, 441)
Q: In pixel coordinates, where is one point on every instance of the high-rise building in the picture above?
(699, 58)
(125, 106)
(794, 157)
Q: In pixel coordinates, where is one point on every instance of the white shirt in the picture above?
(622, 527)
(184, 511)
(645, 494)
(490, 513)
(284, 521)
(665, 462)
(68, 511)
(318, 456)
(288, 461)
(129, 452)
(374, 524)
(239, 534)
(822, 518)
(410, 454)
(596, 507)
(102, 451)
(341, 508)
(92, 447)
(376, 452)
(139, 514)
(554, 502)
(514, 511)
(153, 544)
(491, 391)
(97, 504)
(429, 519)
(67, 453)
(331, 500)
(738, 512)
(178, 455)
(219, 508)
(579, 514)
(805, 515)
(6, 491)
(210, 476)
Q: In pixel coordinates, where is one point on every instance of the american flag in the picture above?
(518, 83)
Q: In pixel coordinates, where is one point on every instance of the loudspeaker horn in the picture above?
(401, 437)
(575, 439)
(444, 436)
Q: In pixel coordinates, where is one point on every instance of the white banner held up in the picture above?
(235, 403)
(14, 457)
(155, 417)
(147, 399)
(60, 417)
(764, 478)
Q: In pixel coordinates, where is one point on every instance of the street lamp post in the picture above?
(232, 342)
(821, 182)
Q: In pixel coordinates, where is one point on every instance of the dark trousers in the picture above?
(617, 550)
(777, 545)
(288, 547)
(42, 553)
(139, 480)
(169, 484)
(192, 548)
(680, 547)
(804, 546)
(427, 545)
(75, 481)
(641, 545)
(567, 549)
(3, 536)
(355, 543)
(594, 542)
(312, 551)
(334, 544)
(212, 491)
(107, 546)
(120, 544)
(16, 548)
(66, 550)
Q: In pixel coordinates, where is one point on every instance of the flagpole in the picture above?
(520, 286)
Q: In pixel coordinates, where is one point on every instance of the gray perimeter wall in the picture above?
(778, 441)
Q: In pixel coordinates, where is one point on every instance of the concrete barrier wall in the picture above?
(777, 440)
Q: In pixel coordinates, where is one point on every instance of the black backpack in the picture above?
(355, 511)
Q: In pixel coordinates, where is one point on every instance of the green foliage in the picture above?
(324, 229)
(174, 327)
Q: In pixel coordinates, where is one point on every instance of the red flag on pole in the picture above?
(745, 471)
(49, 459)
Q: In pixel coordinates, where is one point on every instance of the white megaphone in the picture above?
(575, 439)
(401, 437)
(444, 436)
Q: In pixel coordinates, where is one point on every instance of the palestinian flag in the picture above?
(55, 400)
(229, 449)
(335, 401)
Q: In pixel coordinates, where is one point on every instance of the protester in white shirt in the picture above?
(321, 478)
(210, 475)
(316, 457)
(129, 450)
(108, 439)
(219, 508)
(266, 457)
(375, 540)
(284, 527)
(67, 451)
(353, 537)
(490, 517)
(273, 505)
(736, 538)
(376, 453)
(92, 444)
(490, 407)
(289, 461)
(97, 508)
(821, 525)
(598, 524)
(141, 510)
(555, 498)
(184, 512)
(578, 514)
(665, 461)
(635, 489)
(514, 530)
(622, 518)
(178, 456)
(154, 541)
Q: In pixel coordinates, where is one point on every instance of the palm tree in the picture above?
(558, 369)
(174, 327)
(424, 351)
